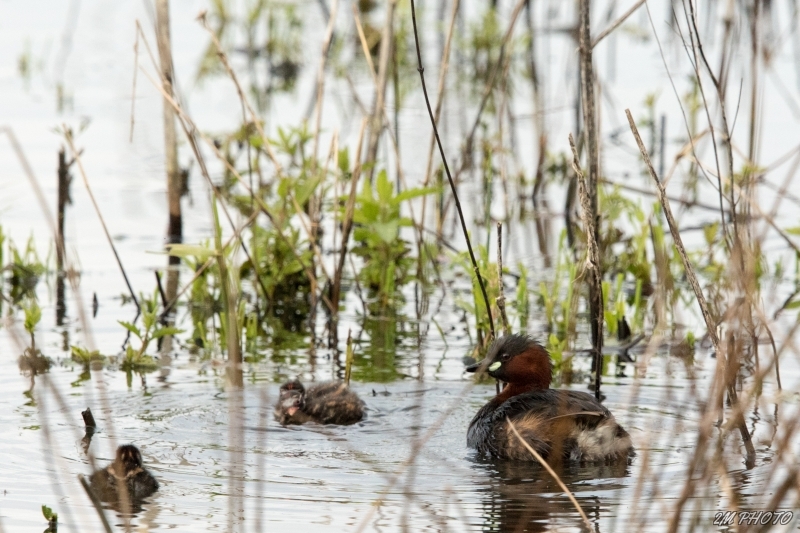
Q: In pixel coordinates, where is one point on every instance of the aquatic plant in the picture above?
(137, 359)
(52, 519)
(386, 255)
(26, 268)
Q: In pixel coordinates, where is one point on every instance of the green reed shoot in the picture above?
(348, 362)
(151, 329)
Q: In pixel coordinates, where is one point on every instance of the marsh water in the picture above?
(222, 461)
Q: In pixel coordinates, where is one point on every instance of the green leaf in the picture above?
(130, 327)
(793, 231)
(49, 514)
(344, 161)
(387, 231)
(83, 355)
(304, 190)
(33, 314)
(190, 250)
(414, 193)
(384, 188)
(368, 212)
(171, 330)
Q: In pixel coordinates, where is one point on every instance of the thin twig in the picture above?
(710, 326)
(501, 300)
(552, 473)
(96, 503)
(321, 78)
(133, 85)
(376, 120)
(616, 24)
(347, 224)
(475, 267)
(77, 156)
(363, 39)
(223, 57)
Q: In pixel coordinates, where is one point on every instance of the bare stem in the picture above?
(501, 300)
(710, 326)
(449, 176)
(590, 189)
(552, 473)
(593, 253)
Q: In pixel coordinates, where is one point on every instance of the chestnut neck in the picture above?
(513, 389)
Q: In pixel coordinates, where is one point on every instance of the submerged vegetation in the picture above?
(333, 222)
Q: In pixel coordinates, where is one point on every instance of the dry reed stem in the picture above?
(77, 156)
(55, 459)
(347, 223)
(552, 474)
(223, 57)
(695, 47)
(71, 276)
(95, 503)
(133, 84)
(717, 388)
(616, 24)
(501, 300)
(593, 162)
(364, 46)
(710, 326)
(174, 179)
(444, 66)
(475, 267)
(592, 263)
(376, 119)
(686, 121)
(321, 79)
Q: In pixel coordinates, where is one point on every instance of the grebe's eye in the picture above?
(505, 357)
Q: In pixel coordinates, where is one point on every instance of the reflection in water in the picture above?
(523, 497)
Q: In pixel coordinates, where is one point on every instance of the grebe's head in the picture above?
(129, 459)
(519, 360)
(292, 396)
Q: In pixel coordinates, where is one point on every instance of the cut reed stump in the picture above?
(64, 181)
(174, 177)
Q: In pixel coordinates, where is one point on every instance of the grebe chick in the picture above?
(325, 403)
(127, 471)
(561, 425)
